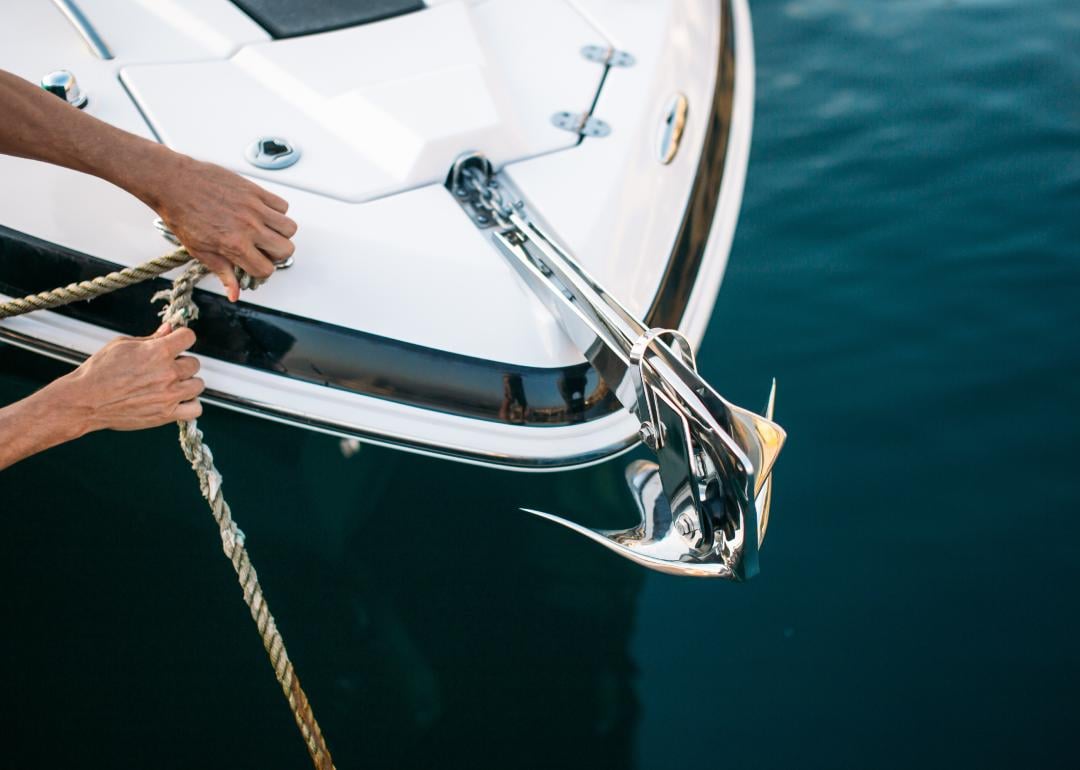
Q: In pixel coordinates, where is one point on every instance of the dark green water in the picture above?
(906, 263)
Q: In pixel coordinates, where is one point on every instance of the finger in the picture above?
(178, 340)
(160, 332)
(273, 201)
(211, 259)
(231, 285)
(187, 367)
(273, 245)
(188, 389)
(188, 410)
(223, 269)
(255, 262)
(279, 223)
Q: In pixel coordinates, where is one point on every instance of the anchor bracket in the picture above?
(704, 503)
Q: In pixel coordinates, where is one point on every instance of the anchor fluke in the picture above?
(675, 544)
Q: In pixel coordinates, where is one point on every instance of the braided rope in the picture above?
(180, 310)
(95, 287)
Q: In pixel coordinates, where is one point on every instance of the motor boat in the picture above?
(514, 220)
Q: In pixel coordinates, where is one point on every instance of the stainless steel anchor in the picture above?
(704, 504)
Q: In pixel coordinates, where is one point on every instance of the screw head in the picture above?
(272, 152)
(648, 435)
(62, 83)
(687, 526)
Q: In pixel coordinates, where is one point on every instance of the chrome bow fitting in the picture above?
(704, 504)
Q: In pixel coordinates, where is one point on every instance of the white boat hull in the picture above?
(400, 291)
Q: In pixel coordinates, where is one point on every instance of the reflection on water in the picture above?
(906, 264)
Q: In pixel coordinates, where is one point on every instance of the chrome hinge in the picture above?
(608, 56)
(583, 123)
(580, 124)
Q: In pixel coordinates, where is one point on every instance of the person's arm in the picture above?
(220, 217)
(131, 383)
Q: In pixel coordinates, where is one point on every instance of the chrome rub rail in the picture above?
(704, 505)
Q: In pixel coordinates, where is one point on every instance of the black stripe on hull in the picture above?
(317, 352)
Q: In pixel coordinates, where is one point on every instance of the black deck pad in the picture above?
(292, 18)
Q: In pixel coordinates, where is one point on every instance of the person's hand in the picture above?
(221, 218)
(224, 220)
(132, 383)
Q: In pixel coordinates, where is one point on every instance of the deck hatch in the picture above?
(294, 18)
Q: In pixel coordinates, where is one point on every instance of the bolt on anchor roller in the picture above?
(704, 503)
